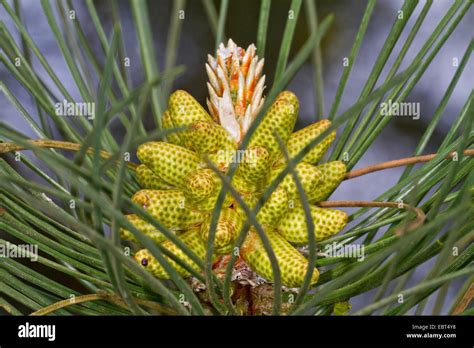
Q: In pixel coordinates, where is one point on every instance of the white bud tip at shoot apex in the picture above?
(235, 87)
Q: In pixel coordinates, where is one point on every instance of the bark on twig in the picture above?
(398, 163)
(105, 296)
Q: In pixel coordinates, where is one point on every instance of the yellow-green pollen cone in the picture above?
(149, 180)
(191, 239)
(228, 227)
(144, 227)
(180, 189)
(293, 265)
(327, 222)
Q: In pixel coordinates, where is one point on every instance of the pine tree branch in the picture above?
(418, 221)
(399, 162)
(104, 296)
(465, 301)
(54, 144)
(65, 145)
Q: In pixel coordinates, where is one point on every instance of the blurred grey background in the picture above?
(400, 137)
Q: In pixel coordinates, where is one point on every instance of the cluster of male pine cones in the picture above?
(180, 190)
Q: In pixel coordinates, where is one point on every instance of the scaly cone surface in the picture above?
(190, 238)
(293, 265)
(180, 189)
